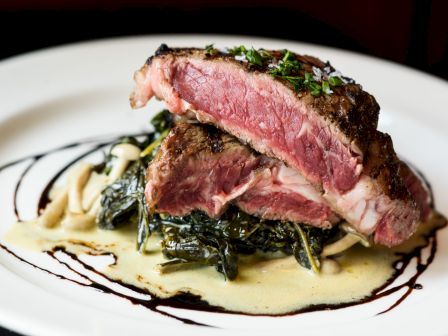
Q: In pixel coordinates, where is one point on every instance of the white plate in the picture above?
(57, 96)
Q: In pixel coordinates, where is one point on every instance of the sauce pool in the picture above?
(265, 283)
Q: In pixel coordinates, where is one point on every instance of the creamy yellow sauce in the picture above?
(273, 285)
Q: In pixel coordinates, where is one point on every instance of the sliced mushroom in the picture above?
(76, 200)
(92, 190)
(77, 179)
(54, 210)
(125, 153)
(95, 208)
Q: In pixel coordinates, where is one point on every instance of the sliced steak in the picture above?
(419, 189)
(201, 167)
(330, 139)
(281, 193)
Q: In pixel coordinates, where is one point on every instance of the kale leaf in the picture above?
(196, 239)
(200, 240)
(120, 200)
(123, 202)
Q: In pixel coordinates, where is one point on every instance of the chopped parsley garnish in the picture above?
(326, 87)
(289, 69)
(210, 49)
(288, 65)
(255, 57)
(315, 88)
(334, 81)
(238, 50)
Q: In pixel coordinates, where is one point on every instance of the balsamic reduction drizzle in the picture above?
(190, 301)
(17, 187)
(44, 198)
(151, 304)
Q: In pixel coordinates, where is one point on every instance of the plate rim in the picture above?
(7, 318)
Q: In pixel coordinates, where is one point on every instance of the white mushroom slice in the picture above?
(342, 244)
(329, 266)
(92, 190)
(118, 169)
(78, 222)
(54, 210)
(95, 208)
(124, 153)
(77, 179)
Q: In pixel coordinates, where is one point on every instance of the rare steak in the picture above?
(201, 167)
(329, 137)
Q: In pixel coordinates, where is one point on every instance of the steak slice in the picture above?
(419, 189)
(201, 167)
(330, 139)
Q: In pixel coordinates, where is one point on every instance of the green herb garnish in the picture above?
(315, 88)
(326, 87)
(307, 253)
(335, 81)
(162, 124)
(210, 49)
(255, 57)
(154, 145)
(289, 69)
(287, 66)
(238, 50)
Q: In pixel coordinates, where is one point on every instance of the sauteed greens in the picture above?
(196, 239)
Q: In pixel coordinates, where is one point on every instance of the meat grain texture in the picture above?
(331, 140)
(199, 167)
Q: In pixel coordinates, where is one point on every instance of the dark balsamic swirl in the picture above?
(187, 300)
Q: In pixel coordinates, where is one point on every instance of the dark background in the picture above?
(414, 33)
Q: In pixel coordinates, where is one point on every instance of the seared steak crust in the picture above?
(383, 165)
(352, 110)
(177, 184)
(330, 139)
(419, 188)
